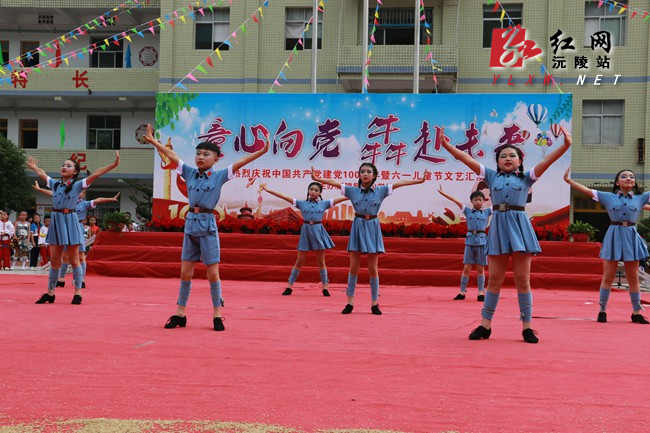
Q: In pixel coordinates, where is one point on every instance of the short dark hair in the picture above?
(476, 194)
(206, 145)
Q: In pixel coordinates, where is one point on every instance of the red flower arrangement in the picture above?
(165, 224)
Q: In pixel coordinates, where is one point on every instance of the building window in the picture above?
(602, 122)
(111, 57)
(396, 26)
(104, 132)
(28, 54)
(4, 49)
(603, 19)
(212, 29)
(45, 19)
(28, 133)
(3, 128)
(492, 20)
(296, 21)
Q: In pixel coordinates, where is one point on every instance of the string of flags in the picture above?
(191, 75)
(294, 51)
(427, 50)
(139, 30)
(102, 20)
(371, 44)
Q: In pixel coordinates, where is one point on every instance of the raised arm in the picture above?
(32, 163)
(450, 197)
(278, 195)
(38, 188)
(252, 157)
(339, 200)
(103, 170)
(401, 183)
(549, 159)
(101, 200)
(169, 153)
(334, 183)
(575, 185)
(463, 157)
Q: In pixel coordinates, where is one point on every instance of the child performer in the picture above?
(25, 240)
(34, 228)
(475, 240)
(81, 208)
(511, 233)
(313, 236)
(42, 244)
(201, 239)
(7, 231)
(64, 227)
(365, 234)
(622, 242)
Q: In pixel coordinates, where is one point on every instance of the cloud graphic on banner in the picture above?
(186, 118)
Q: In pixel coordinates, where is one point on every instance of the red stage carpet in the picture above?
(408, 261)
(295, 364)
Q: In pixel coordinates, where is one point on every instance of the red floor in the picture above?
(297, 362)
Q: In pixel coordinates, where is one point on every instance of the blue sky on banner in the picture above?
(305, 112)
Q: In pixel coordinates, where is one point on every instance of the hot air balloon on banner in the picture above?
(537, 113)
(543, 141)
(525, 134)
(555, 130)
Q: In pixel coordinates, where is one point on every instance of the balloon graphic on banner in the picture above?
(543, 141)
(555, 130)
(525, 134)
(537, 113)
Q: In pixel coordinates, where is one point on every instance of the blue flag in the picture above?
(127, 61)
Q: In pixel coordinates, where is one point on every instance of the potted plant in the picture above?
(115, 221)
(581, 231)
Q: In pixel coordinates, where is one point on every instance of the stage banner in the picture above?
(335, 133)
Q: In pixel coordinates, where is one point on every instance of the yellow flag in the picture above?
(503, 14)
(182, 17)
(218, 54)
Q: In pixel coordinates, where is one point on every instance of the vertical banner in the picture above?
(335, 133)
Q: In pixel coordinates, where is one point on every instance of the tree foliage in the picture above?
(15, 190)
(143, 200)
(168, 106)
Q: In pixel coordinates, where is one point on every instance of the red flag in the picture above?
(209, 61)
(57, 54)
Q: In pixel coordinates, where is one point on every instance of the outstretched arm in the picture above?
(450, 197)
(252, 157)
(339, 200)
(32, 163)
(169, 153)
(463, 157)
(278, 195)
(101, 200)
(38, 188)
(549, 159)
(334, 183)
(401, 183)
(103, 170)
(577, 186)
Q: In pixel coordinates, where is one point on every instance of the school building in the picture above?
(105, 91)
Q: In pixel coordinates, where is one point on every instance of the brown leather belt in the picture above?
(503, 207)
(64, 210)
(311, 223)
(474, 232)
(622, 223)
(365, 217)
(198, 209)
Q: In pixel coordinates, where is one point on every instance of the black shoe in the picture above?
(348, 309)
(637, 318)
(602, 317)
(60, 284)
(530, 336)
(326, 292)
(480, 298)
(375, 310)
(76, 300)
(218, 324)
(459, 297)
(83, 284)
(175, 321)
(287, 291)
(479, 333)
(46, 298)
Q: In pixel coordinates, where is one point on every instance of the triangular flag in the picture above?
(208, 60)
(182, 18)
(283, 76)
(181, 86)
(202, 69)
(255, 18)
(276, 83)
(191, 77)
(218, 53)
(62, 134)
(227, 42)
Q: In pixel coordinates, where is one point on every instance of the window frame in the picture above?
(4, 127)
(92, 132)
(382, 28)
(495, 17)
(608, 16)
(117, 54)
(24, 126)
(24, 49)
(202, 20)
(603, 116)
(5, 54)
(307, 43)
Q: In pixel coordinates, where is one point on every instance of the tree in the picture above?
(144, 202)
(15, 189)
